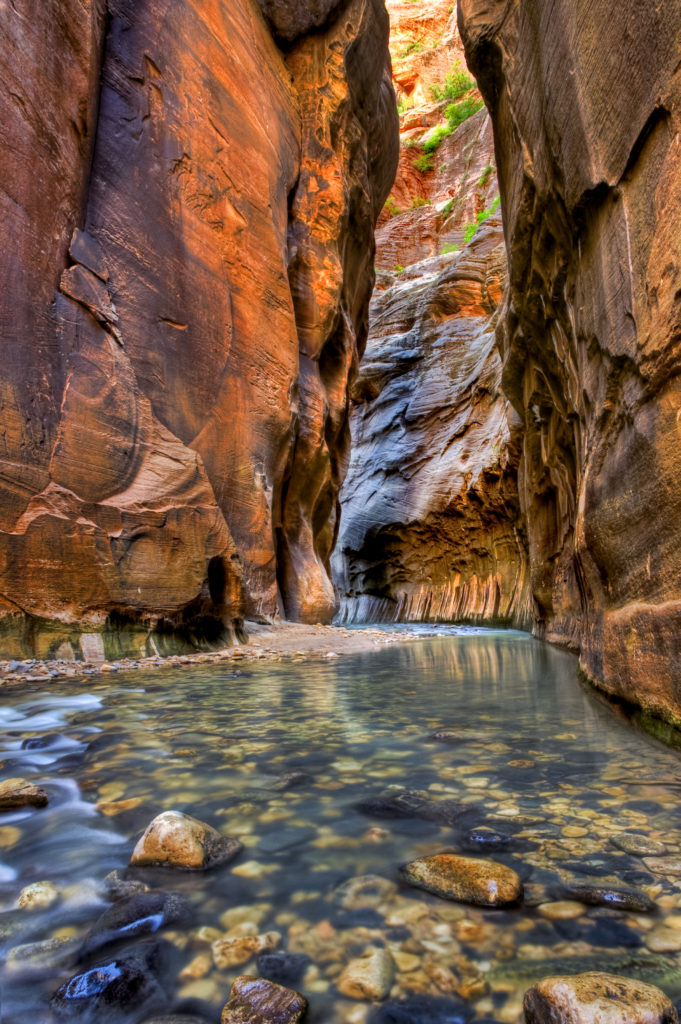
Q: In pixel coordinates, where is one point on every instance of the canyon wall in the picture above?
(188, 208)
(431, 527)
(585, 97)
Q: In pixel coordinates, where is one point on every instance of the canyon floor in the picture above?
(266, 642)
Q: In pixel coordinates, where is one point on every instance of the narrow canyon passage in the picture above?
(340, 514)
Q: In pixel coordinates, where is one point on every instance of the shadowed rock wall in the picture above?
(431, 526)
(191, 217)
(585, 96)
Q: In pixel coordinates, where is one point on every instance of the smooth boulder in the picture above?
(176, 840)
(368, 977)
(112, 990)
(134, 916)
(465, 879)
(597, 998)
(16, 793)
(255, 999)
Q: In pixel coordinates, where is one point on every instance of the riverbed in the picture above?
(329, 771)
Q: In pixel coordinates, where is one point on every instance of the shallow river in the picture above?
(302, 762)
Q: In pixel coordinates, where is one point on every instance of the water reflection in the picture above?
(286, 757)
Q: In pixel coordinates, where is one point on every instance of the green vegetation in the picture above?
(418, 201)
(423, 163)
(447, 208)
(484, 215)
(432, 143)
(449, 247)
(456, 84)
(391, 207)
(485, 176)
(405, 104)
(399, 269)
(457, 113)
(412, 47)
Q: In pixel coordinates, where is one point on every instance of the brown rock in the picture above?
(465, 879)
(590, 332)
(231, 952)
(21, 793)
(184, 303)
(597, 998)
(368, 977)
(254, 999)
(176, 840)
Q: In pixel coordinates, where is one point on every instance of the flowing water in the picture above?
(296, 760)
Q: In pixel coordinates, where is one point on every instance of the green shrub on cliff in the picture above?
(456, 84)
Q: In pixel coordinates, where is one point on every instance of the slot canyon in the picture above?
(340, 513)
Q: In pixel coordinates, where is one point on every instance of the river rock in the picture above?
(231, 952)
(112, 990)
(638, 845)
(257, 1000)
(283, 968)
(41, 957)
(134, 916)
(422, 1009)
(664, 865)
(597, 998)
(368, 977)
(16, 793)
(363, 891)
(177, 840)
(617, 899)
(484, 838)
(465, 879)
(38, 896)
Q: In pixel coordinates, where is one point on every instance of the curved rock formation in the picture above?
(586, 101)
(431, 527)
(191, 213)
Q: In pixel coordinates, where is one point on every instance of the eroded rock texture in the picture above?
(586, 101)
(431, 527)
(191, 219)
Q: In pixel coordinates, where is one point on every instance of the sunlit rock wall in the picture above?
(585, 96)
(431, 526)
(188, 213)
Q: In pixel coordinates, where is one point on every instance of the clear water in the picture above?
(536, 757)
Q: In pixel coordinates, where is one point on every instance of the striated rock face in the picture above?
(586, 102)
(191, 213)
(431, 526)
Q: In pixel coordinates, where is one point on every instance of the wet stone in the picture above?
(256, 999)
(368, 977)
(285, 969)
(422, 1009)
(118, 886)
(465, 879)
(135, 916)
(664, 865)
(638, 845)
(177, 840)
(38, 896)
(40, 957)
(232, 952)
(285, 839)
(363, 891)
(16, 793)
(616, 899)
(113, 989)
(596, 998)
(484, 838)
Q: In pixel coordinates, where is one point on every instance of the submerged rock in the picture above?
(16, 793)
(255, 999)
(465, 879)
(38, 896)
(638, 845)
(597, 998)
(422, 1009)
(113, 989)
(364, 891)
(134, 916)
(232, 952)
(41, 957)
(368, 977)
(177, 840)
(617, 899)
(283, 968)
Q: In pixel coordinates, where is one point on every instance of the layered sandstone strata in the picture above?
(585, 97)
(431, 526)
(189, 211)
